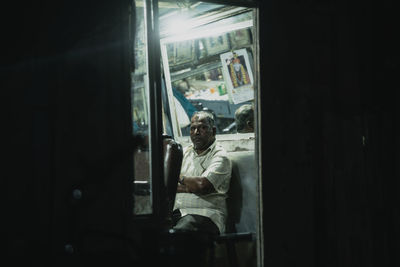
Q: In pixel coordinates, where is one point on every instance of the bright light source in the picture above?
(177, 25)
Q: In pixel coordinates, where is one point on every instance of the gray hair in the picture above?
(205, 115)
(244, 114)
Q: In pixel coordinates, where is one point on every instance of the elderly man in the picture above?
(244, 118)
(200, 203)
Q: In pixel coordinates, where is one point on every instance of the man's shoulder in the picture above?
(220, 151)
(187, 149)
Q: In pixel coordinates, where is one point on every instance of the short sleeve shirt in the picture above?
(214, 165)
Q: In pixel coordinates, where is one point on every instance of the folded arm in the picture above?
(196, 185)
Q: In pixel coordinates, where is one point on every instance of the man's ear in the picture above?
(250, 125)
(214, 130)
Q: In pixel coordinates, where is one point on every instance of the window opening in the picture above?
(208, 63)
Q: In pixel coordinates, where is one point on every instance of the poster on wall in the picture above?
(216, 45)
(181, 52)
(238, 75)
(240, 38)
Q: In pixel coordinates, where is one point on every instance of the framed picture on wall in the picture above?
(216, 44)
(240, 38)
(238, 75)
(181, 52)
(184, 52)
(170, 53)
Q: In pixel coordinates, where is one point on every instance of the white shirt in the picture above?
(214, 165)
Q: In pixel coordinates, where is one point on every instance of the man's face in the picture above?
(201, 134)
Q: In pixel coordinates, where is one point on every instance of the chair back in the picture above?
(242, 195)
(173, 155)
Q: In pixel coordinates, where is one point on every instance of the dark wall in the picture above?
(66, 77)
(329, 133)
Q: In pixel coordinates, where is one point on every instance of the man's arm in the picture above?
(196, 185)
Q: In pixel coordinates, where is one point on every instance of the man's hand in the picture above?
(182, 189)
(196, 185)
